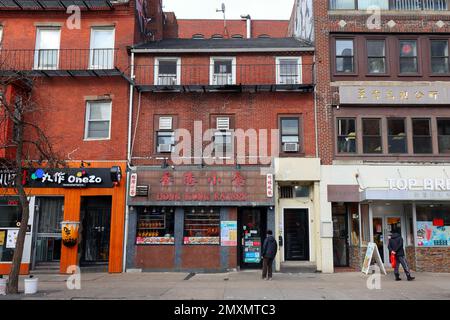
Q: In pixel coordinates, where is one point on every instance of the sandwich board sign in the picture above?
(372, 250)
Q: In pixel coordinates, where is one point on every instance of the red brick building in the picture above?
(382, 82)
(190, 208)
(76, 62)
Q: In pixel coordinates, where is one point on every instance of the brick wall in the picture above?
(355, 260)
(433, 259)
(411, 257)
(208, 27)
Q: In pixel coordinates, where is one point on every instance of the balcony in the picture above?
(396, 5)
(59, 62)
(235, 78)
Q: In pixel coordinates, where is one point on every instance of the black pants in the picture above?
(267, 267)
(402, 260)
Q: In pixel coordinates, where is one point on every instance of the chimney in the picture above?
(249, 25)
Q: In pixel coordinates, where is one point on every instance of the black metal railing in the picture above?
(239, 74)
(58, 59)
(400, 5)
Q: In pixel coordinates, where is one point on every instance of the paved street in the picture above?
(239, 285)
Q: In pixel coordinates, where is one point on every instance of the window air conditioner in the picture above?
(290, 147)
(165, 148)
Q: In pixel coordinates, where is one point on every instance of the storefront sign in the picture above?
(201, 240)
(269, 185)
(7, 178)
(394, 95)
(438, 184)
(155, 240)
(228, 233)
(133, 184)
(203, 185)
(70, 178)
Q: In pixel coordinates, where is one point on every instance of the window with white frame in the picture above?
(167, 71)
(46, 54)
(289, 70)
(98, 120)
(165, 136)
(1, 36)
(223, 137)
(102, 48)
(223, 71)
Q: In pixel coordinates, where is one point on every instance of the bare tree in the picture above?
(30, 146)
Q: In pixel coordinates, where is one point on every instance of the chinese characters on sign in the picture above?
(133, 184)
(393, 95)
(269, 185)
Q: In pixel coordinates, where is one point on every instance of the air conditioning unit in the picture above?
(290, 147)
(165, 148)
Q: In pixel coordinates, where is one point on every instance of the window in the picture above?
(439, 56)
(353, 215)
(217, 36)
(155, 225)
(444, 135)
(223, 138)
(366, 4)
(167, 71)
(376, 56)
(288, 70)
(290, 137)
(397, 142)
(46, 55)
(422, 136)
(408, 56)
(346, 135)
(223, 71)
(1, 36)
(201, 225)
(98, 120)
(342, 4)
(165, 136)
(301, 191)
(102, 48)
(263, 36)
(9, 217)
(198, 36)
(433, 222)
(372, 136)
(237, 36)
(344, 56)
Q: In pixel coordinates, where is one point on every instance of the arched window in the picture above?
(198, 36)
(217, 36)
(263, 36)
(237, 36)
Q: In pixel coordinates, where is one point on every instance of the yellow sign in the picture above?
(2, 237)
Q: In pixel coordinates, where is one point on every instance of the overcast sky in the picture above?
(206, 9)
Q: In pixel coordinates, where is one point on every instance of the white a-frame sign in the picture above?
(371, 249)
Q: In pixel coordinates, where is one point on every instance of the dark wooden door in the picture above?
(296, 234)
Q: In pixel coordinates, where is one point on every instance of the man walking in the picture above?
(396, 247)
(269, 251)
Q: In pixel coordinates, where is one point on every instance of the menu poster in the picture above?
(252, 250)
(2, 237)
(11, 239)
(228, 233)
(428, 234)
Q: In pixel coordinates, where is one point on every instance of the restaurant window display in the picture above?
(201, 226)
(353, 214)
(433, 225)
(9, 227)
(155, 226)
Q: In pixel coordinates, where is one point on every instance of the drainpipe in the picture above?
(315, 107)
(130, 123)
(249, 25)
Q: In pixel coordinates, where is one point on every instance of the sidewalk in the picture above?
(239, 285)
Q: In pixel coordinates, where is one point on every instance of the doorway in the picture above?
(296, 235)
(252, 225)
(340, 234)
(383, 227)
(49, 214)
(95, 218)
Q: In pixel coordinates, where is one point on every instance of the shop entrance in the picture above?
(252, 226)
(296, 235)
(49, 214)
(95, 217)
(340, 235)
(383, 227)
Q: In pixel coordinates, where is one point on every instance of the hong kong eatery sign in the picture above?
(394, 95)
(236, 186)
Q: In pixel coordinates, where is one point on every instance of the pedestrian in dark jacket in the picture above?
(269, 251)
(396, 247)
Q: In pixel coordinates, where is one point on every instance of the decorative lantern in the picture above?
(69, 231)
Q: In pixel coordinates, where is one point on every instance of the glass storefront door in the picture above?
(383, 227)
(253, 228)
